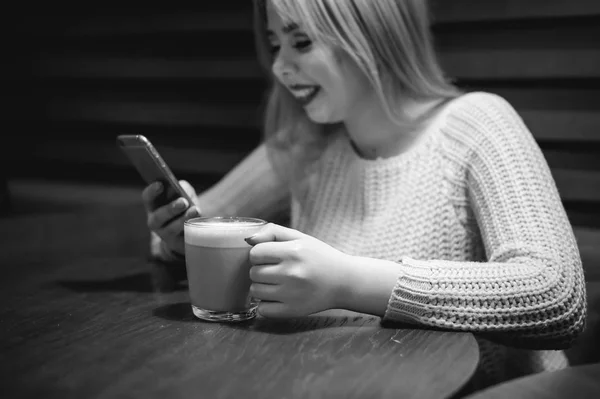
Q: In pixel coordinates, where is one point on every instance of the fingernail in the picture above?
(158, 187)
(248, 239)
(181, 204)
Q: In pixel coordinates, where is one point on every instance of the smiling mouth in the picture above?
(305, 94)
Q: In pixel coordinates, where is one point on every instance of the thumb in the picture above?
(189, 189)
(273, 232)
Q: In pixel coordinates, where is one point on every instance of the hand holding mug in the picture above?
(294, 274)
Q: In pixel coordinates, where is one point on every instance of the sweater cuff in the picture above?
(410, 299)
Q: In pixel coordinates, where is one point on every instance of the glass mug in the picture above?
(218, 267)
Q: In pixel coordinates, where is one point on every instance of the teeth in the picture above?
(304, 93)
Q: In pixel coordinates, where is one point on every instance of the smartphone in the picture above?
(151, 167)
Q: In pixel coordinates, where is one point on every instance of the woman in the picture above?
(408, 199)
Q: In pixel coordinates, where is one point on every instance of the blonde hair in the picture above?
(390, 41)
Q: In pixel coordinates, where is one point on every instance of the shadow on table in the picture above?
(159, 279)
(310, 323)
(182, 311)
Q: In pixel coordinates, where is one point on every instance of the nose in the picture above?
(284, 64)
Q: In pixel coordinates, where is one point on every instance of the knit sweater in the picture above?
(471, 215)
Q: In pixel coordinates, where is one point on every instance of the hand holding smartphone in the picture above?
(151, 167)
(165, 221)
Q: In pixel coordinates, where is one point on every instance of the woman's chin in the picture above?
(320, 117)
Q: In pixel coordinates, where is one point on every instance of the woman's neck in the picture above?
(375, 135)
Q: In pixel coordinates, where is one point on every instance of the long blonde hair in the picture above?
(390, 41)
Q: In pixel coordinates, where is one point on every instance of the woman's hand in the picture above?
(167, 220)
(294, 274)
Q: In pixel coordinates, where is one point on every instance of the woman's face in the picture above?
(327, 83)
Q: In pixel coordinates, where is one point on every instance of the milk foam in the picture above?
(220, 232)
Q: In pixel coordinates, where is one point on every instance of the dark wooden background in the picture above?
(187, 78)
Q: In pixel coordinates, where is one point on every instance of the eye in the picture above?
(303, 45)
(274, 49)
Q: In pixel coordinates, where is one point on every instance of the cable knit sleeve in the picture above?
(531, 291)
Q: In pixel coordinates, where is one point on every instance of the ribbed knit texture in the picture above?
(473, 218)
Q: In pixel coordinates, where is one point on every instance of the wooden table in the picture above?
(84, 314)
(578, 382)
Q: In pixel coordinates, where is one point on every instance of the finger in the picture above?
(265, 292)
(149, 195)
(187, 187)
(163, 215)
(268, 253)
(274, 309)
(191, 212)
(266, 274)
(274, 232)
(175, 226)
